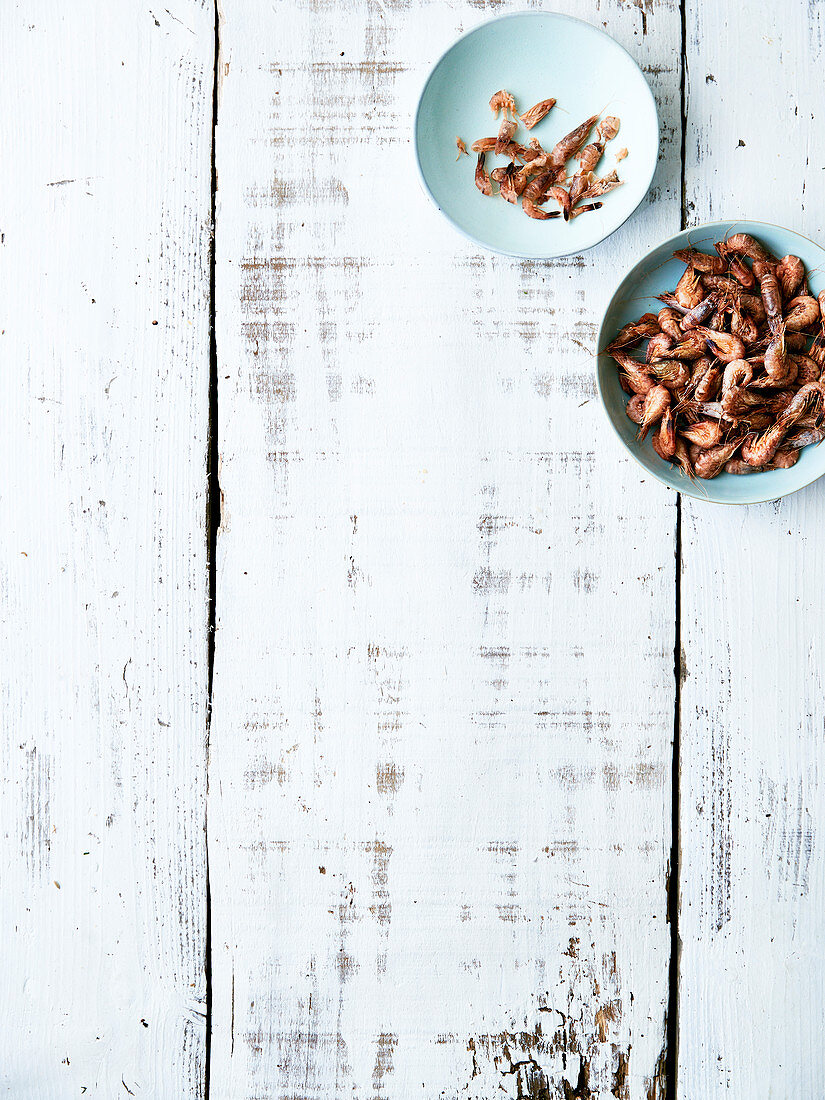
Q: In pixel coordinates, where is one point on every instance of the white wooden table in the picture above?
(392, 815)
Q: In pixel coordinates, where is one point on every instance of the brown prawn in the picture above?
(637, 374)
(802, 312)
(725, 345)
(670, 322)
(706, 433)
(482, 180)
(701, 261)
(762, 449)
(771, 294)
(710, 462)
(790, 271)
(533, 211)
(635, 408)
(689, 291)
(665, 437)
(634, 332)
(743, 244)
(571, 143)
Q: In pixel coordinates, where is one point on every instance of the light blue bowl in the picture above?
(535, 56)
(636, 294)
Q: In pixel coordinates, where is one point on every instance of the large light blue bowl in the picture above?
(636, 294)
(535, 56)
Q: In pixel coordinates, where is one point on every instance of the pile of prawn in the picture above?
(540, 176)
(730, 376)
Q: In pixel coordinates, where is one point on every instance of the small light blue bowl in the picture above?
(656, 273)
(534, 56)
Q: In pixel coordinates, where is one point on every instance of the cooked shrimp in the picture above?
(802, 312)
(586, 208)
(724, 283)
(736, 399)
(771, 294)
(776, 357)
(696, 410)
(671, 301)
(739, 403)
(634, 332)
(508, 189)
(656, 401)
(689, 291)
(692, 345)
(790, 272)
(805, 437)
(589, 157)
(701, 261)
(533, 211)
(706, 433)
(738, 373)
(536, 189)
(806, 369)
(700, 313)
(571, 143)
(635, 408)
(562, 197)
(521, 179)
(462, 148)
(761, 450)
(682, 458)
(657, 346)
(725, 345)
(741, 272)
(537, 112)
(709, 463)
(707, 387)
(784, 458)
(743, 326)
(753, 305)
(637, 374)
(513, 150)
(666, 435)
(744, 245)
(582, 179)
(482, 179)
(670, 322)
(672, 374)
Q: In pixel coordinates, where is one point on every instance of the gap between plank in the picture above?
(671, 1068)
(213, 522)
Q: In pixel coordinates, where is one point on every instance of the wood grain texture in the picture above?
(105, 130)
(439, 816)
(752, 890)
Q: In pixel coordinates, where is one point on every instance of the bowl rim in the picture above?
(690, 490)
(536, 256)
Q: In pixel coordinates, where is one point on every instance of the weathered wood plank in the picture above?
(106, 129)
(443, 703)
(752, 914)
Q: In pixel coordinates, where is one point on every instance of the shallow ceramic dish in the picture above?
(636, 294)
(534, 55)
